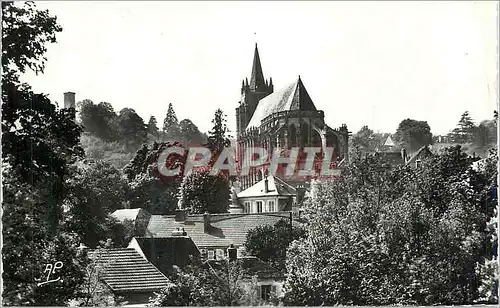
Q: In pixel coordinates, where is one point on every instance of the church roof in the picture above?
(276, 187)
(257, 77)
(292, 97)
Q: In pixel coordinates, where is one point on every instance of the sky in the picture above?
(363, 63)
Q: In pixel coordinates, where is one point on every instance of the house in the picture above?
(271, 194)
(166, 253)
(128, 275)
(255, 272)
(213, 233)
(138, 217)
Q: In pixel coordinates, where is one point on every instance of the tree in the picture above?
(153, 127)
(269, 243)
(97, 189)
(416, 239)
(485, 133)
(464, 132)
(99, 120)
(210, 284)
(201, 192)
(413, 134)
(190, 133)
(132, 128)
(148, 189)
(217, 137)
(367, 141)
(38, 144)
(171, 124)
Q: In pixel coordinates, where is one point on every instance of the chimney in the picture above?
(232, 253)
(180, 215)
(69, 100)
(266, 185)
(206, 222)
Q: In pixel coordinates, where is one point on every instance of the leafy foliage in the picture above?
(464, 132)
(148, 189)
(269, 243)
(171, 124)
(413, 134)
(206, 284)
(379, 236)
(201, 192)
(217, 137)
(190, 133)
(99, 120)
(96, 190)
(38, 142)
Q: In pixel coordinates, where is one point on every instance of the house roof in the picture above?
(423, 152)
(166, 252)
(392, 158)
(251, 266)
(224, 230)
(126, 214)
(292, 97)
(389, 142)
(125, 270)
(276, 187)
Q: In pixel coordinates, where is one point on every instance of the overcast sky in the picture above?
(363, 63)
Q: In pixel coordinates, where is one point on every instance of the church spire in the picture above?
(257, 77)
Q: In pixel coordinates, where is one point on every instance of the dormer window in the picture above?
(418, 163)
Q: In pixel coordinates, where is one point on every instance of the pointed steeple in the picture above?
(257, 77)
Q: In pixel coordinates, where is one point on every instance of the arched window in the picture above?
(304, 133)
(293, 136)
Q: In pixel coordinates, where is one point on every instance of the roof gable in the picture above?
(276, 187)
(225, 229)
(125, 270)
(292, 97)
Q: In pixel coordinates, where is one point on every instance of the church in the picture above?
(281, 119)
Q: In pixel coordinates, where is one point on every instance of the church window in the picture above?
(293, 136)
(259, 206)
(271, 206)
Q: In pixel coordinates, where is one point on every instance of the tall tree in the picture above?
(96, 189)
(99, 120)
(171, 124)
(190, 132)
(153, 127)
(464, 132)
(132, 128)
(148, 189)
(218, 135)
(201, 192)
(38, 143)
(413, 134)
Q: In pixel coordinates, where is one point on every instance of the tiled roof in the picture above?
(166, 252)
(125, 270)
(292, 97)
(251, 266)
(276, 187)
(225, 229)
